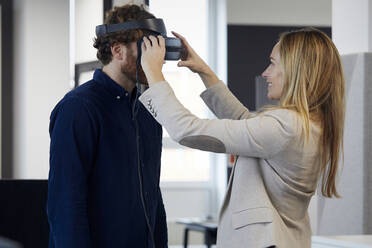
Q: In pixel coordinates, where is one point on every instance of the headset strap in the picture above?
(154, 24)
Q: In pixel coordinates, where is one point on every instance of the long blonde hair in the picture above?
(314, 87)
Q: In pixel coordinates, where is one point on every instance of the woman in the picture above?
(283, 150)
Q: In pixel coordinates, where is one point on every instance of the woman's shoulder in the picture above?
(292, 122)
(283, 114)
(288, 119)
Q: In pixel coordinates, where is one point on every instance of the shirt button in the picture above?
(118, 97)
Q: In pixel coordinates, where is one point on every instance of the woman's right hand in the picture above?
(195, 63)
(190, 58)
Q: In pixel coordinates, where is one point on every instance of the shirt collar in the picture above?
(114, 88)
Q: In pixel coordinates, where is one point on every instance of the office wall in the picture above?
(88, 14)
(281, 13)
(352, 26)
(41, 78)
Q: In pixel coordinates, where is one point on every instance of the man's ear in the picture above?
(117, 51)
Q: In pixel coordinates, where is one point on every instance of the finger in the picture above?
(183, 64)
(184, 54)
(143, 47)
(183, 39)
(154, 41)
(187, 49)
(146, 41)
(178, 35)
(161, 41)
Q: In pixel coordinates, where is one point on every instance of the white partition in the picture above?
(352, 213)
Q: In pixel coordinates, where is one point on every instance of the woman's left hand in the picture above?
(152, 58)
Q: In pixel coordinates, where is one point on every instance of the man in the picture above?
(105, 159)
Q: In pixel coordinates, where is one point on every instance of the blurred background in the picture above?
(47, 50)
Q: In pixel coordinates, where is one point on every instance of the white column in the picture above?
(41, 76)
(122, 2)
(352, 25)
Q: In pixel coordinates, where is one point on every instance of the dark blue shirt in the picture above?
(94, 195)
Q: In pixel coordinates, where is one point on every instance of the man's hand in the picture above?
(152, 60)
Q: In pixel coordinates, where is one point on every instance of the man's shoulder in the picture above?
(78, 101)
(86, 91)
(81, 96)
(69, 106)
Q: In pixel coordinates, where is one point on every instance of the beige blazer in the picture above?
(276, 172)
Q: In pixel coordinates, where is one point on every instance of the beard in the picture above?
(129, 68)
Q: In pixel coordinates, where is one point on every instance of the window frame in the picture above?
(7, 89)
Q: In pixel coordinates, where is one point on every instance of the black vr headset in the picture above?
(173, 46)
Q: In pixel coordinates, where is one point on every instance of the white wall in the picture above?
(88, 14)
(283, 12)
(41, 78)
(352, 26)
(122, 2)
(185, 202)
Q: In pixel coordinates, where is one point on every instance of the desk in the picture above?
(208, 227)
(344, 241)
(6, 243)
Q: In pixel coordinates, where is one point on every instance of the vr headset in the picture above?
(173, 46)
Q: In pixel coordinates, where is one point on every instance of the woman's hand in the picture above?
(196, 64)
(152, 58)
(190, 58)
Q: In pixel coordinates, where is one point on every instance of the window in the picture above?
(190, 19)
(85, 16)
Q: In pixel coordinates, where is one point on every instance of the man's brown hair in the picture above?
(128, 12)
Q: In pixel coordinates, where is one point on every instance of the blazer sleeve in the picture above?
(72, 150)
(223, 103)
(262, 136)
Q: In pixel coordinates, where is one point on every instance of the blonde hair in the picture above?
(314, 87)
